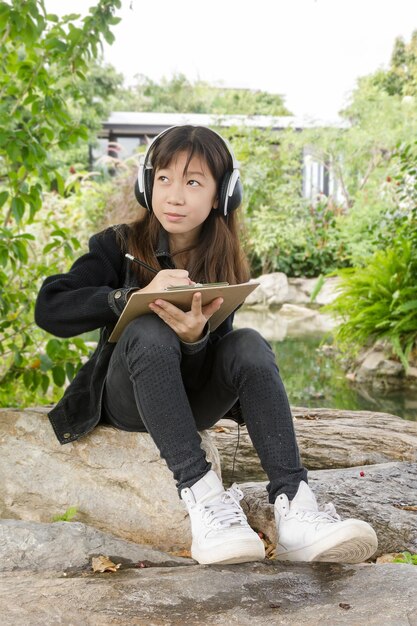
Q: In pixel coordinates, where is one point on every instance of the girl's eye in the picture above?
(162, 178)
(193, 183)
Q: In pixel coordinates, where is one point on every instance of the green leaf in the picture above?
(317, 288)
(69, 514)
(3, 197)
(58, 375)
(27, 379)
(50, 246)
(53, 348)
(45, 383)
(46, 363)
(4, 257)
(407, 306)
(18, 209)
(70, 371)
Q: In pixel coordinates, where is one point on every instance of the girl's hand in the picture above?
(188, 325)
(168, 278)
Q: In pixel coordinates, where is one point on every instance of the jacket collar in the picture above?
(162, 249)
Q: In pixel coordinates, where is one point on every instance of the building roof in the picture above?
(131, 123)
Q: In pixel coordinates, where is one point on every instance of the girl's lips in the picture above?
(173, 217)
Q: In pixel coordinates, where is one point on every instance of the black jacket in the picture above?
(92, 295)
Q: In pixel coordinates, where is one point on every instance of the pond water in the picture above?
(312, 376)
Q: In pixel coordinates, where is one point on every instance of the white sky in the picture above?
(310, 51)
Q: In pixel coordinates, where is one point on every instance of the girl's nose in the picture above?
(175, 194)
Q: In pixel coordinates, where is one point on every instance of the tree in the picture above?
(179, 95)
(92, 106)
(42, 72)
(401, 77)
(377, 297)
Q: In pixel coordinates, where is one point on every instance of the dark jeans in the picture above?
(151, 386)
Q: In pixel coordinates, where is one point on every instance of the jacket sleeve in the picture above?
(88, 296)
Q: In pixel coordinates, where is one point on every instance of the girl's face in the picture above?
(182, 200)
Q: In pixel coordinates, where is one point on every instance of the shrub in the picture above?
(379, 301)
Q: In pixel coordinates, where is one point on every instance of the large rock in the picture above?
(65, 590)
(70, 546)
(327, 438)
(376, 368)
(275, 288)
(383, 495)
(272, 290)
(120, 485)
(290, 320)
(300, 290)
(116, 479)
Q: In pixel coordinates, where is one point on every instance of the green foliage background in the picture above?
(179, 95)
(44, 60)
(55, 91)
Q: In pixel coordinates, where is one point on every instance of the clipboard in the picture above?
(138, 303)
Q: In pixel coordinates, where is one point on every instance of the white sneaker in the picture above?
(307, 534)
(220, 530)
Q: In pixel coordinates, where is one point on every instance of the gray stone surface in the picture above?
(272, 290)
(327, 438)
(276, 288)
(47, 580)
(376, 368)
(116, 479)
(246, 594)
(67, 546)
(289, 321)
(300, 290)
(120, 485)
(377, 494)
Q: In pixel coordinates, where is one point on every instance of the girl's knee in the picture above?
(249, 347)
(149, 330)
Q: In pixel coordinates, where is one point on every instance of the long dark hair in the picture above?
(217, 255)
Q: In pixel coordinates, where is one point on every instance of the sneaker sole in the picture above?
(228, 554)
(354, 549)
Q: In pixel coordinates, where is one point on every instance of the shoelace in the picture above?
(328, 514)
(227, 510)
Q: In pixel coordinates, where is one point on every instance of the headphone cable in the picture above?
(234, 456)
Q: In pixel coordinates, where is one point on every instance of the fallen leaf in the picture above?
(221, 429)
(387, 558)
(406, 507)
(184, 553)
(274, 605)
(103, 564)
(269, 547)
(270, 552)
(344, 605)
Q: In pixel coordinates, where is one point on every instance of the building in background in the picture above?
(124, 132)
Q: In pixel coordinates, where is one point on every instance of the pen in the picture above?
(142, 263)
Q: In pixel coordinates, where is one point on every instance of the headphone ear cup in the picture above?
(144, 197)
(140, 197)
(147, 185)
(236, 198)
(231, 193)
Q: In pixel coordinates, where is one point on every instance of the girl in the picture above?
(170, 376)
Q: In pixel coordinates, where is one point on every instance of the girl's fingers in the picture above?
(196, 304)
(212, 307)
(167, 310)
(169, 313)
